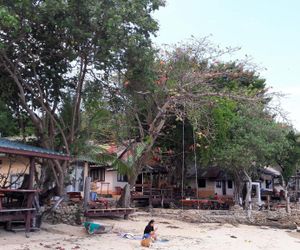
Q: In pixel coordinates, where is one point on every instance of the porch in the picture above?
(20, 204)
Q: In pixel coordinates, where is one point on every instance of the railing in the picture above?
(147, 190)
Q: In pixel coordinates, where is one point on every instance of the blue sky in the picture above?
(267, 30)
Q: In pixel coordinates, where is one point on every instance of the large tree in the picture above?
(49, 51)
(161, 95)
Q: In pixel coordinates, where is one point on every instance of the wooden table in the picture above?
(26, 213)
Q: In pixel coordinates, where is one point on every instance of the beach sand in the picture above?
(181, 235)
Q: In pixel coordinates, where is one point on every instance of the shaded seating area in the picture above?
(153, 188)
(17, 204)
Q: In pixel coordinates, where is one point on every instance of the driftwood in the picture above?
(53, 208)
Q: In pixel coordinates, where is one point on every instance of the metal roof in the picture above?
(270, 171)
(17, 148)
(212, 172)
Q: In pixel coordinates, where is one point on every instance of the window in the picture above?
(16, 181)
(230, 184)
(97, 174)
(268, 183)
(201, 183)
(122, 178)
(218, 184)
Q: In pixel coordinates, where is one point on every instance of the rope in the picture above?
(182, 167)
(195, 166)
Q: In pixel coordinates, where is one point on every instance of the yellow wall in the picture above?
(13, 165)
(18, 165)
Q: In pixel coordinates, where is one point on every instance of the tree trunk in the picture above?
(87, 190)
(248, 204)
(237, 189)
(287, 199)
(125, 199)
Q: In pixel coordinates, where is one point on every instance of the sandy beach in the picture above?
(180, 235)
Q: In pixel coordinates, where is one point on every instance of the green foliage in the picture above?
(253, 140)
(8, 124)
(241, 78)
(289, 157)
(51, 38)
(8, 20)
(239, 135)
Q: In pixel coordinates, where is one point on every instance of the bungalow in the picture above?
(294, 187)
(211, 181)
(269, 178)
(105, 179)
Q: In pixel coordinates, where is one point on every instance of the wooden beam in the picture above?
(31, 173)
(34, 154)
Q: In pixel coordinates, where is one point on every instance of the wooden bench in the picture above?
(109, 212)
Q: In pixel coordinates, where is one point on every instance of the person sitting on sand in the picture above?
(150, 231)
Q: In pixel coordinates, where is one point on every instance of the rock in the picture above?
(71, 214)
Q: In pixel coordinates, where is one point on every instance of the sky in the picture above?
(266, 30)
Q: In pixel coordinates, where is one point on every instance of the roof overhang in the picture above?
(17, 148)
(34, 154)
(270, 171)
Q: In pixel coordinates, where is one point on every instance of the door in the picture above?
(224, 187)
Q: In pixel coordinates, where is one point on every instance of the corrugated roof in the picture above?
(270, 171)
(13, 147)
(209, 173)
(86, 158)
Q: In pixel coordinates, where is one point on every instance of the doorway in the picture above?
(224, 187)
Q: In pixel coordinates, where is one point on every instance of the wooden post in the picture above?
(87, 190)
(86, 170)
(268, 201)
(162, 198)
(150, 198)
(30, 196)
(143, 183)
(288, 208)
